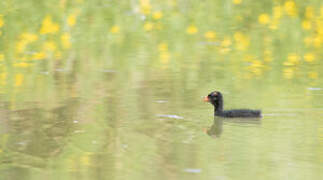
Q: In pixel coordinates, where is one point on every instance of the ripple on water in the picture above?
(172, 116)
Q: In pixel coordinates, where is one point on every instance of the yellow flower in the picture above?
(309, 57)
(163, 47)
(20, 46)
(256, 67)
(294, 59)
(48, 26)
(264, 19)
(210, 35)
(71, 20)
(238, 18)
(237, 1)
(164, 57)
(306, 24)
(1, 57)
(224, 50)
(248, 58)
(157, 15)
(290, 8)
(148, 26)
(191, 29)
(22, 64)
(145, 7)
(49, 46)
(267, 56)
(66, 40)
(226, 42)
(268, 59)
(274, 24)
(115, 29)
(85, 160)
(38, 56)
(309, 12)
(313, 75)
(287, 63)
(256, 64)
(308, 41)
(319, 28)
(3, 78)
(288, 73)
(317, 41)
(24, 40)
(242, 41)
(28, 37)
(1, 20)
(19, 78)
(277, 12)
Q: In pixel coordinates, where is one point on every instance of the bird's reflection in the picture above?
(216, 129)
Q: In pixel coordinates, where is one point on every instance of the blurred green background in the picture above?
(108, 89)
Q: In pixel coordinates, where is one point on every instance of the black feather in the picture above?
(216, 99)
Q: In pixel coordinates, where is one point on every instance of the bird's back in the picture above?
(240, 113)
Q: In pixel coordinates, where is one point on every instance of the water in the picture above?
(109, 90)
(161, 129)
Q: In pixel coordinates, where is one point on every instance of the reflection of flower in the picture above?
(48, 26)
(288, 73)
(66, 40)
(157, 15)
(290, 8)
(313, 75)
(210, 35)
(19, 79)
(237, 1)
(115, 29)
(22, 64)
(306, 24)
(264, 19)
(1, 21)
(309, 12)
(38, 56)
(148, 26)
(24, 40)
(71, 20)
(242, 41)
(309, 57)
(145, 7)
(49, 46)
(277, 12)
(293, 59)
(163, 47)
(191, 29)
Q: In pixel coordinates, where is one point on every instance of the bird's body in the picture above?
(239, 113)
(216, 99)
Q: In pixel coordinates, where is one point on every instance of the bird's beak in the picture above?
(206, 99)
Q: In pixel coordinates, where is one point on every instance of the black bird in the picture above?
(216, 99)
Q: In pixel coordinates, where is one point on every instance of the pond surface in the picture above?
(114, 90)
(161, 129)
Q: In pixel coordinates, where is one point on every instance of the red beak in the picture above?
(206, 99)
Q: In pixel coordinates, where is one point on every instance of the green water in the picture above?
(114, 90)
